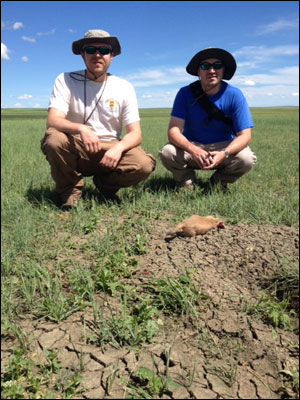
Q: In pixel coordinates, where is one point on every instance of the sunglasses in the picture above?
(93, 50)
(206, 65)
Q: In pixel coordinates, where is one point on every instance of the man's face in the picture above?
(97, 63)
(211, 76)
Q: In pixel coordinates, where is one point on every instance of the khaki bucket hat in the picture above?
(213, 52)
(94, 36)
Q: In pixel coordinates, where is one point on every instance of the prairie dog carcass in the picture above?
(196, 225)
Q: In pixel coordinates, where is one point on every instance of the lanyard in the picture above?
(103, 85)
(74, 76)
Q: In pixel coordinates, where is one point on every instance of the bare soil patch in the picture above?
(232, 355)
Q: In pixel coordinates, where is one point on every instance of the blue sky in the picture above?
(158, 39)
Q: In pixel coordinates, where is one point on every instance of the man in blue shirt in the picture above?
(198, 140)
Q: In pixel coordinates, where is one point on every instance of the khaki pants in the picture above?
(183, 167)
(70, 162)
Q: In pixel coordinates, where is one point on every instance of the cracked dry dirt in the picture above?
(233, 355)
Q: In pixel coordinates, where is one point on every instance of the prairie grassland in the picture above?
(268, 194)
(43, 250)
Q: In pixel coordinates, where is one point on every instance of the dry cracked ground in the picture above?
(232, 355)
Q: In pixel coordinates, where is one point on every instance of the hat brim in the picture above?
(112, 40)
(220, 54)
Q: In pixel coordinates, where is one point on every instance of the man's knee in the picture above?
(53, 140)
(246, 159)
(146, 165)
(167, 153)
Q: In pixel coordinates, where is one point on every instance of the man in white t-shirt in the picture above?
(86, 113)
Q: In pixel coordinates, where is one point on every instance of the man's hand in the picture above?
(216, 158)
(201, 157)
(89, 139)
(112, 157)
(131, 139)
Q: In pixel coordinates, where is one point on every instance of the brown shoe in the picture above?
(70, 199)
(107, 193)
(188, 185)
(222, 185)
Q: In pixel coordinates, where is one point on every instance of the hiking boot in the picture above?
(70, 199)
(187, 185)
(109, 194)
(223, 186)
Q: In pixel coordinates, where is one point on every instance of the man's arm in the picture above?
(57, 119)
(131, 139)
(241, 141)
(175, 136)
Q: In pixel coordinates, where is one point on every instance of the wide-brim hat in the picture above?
(213, 52)
(94, 36)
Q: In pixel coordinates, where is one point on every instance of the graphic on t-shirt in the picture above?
(112, 103)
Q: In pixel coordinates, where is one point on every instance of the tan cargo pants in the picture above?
(70, 162)
(183, 167)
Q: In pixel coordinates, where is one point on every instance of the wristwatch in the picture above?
(226, 153)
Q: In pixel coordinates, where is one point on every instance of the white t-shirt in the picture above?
(117, 105)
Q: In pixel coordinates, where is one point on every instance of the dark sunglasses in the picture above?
(93, 50)
(206, 65)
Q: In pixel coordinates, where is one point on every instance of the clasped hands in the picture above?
(207, 160)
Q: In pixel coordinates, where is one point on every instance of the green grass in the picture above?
(31, 217)
(55, 263)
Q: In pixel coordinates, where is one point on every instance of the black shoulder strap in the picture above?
(211, 109)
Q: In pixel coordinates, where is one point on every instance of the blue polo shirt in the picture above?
(229, 99)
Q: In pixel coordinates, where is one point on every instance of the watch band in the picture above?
(226, 153)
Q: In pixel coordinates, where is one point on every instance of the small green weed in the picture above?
(227, 373)
(175, 296)
(291, 382)
(19, 380)
(150, 385)
(23, 380)
(90, 224)
(135, 327)
(271, 311)
(68, 383)
(285, 282)
(106, 281)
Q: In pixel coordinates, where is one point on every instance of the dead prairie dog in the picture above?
(196, 225)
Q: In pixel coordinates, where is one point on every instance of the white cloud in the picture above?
(36, 106)
(46, 33)
(8, 25)
(288, 76)
(18, 105)
(25, 97)
(4, 52)
(175, 76)
(249, 82)
(17, 25)
(287, 71)
(263, 97)
(158, 77)
(259, 54)
(156, 97)
(24, 58)
(28, 39)
(146, 74)
(278, 87)
(279, 25)
(70, 30)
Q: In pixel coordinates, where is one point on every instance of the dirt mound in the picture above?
(232, 354)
